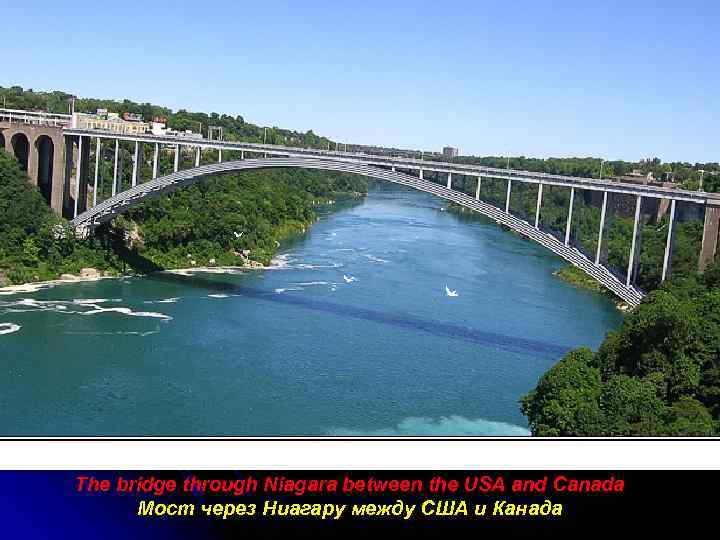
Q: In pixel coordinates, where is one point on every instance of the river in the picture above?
(353, 333)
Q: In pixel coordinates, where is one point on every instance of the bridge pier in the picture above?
(507, 197)
(421, 173)
(155, 161)
(538, 205)
(197, 156)
(602, 226)
(569, 218)
(136, 158)
(176, 162)
(78, 176)
(633, 244)
(668, 243)
(115, 167)
(477, 188)
(97, 170)
(219, 155)
(449, 180)
(710, 231)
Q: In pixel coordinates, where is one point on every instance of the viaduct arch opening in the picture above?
(21, 149)
(45, 149)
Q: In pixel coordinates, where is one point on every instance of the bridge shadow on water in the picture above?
(397, 319)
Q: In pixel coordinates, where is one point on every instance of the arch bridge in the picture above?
(57, 158)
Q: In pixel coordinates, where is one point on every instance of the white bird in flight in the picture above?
(450, 292)
(348, 279)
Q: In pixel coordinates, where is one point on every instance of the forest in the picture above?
(657, 375)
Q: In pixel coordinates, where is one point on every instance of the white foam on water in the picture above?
(26, 288)
(445, 426)
(373, 258)
(9, 328)
(127, 311)
(218, 296)
(93, 301)
(285, 289)
(305, 266)
(312, 283)
(163, 301)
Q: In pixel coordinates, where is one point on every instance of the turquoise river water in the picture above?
(352, 333)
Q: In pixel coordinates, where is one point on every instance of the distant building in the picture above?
(451, 152)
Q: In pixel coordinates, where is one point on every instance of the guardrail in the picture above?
(37, 118)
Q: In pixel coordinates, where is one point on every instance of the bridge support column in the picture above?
(33, 158)
(176, 163)
(97, 170)
(155, 161)
(507, 197)
(421, 174)
(449, 182)
(197, 157)
(219, 155)
(569, 218)
(710, 232)
(78, 176)
(477, 188)
(668, 243)
(58, 174)
(135, 165)
(633, 245)
(115, 167)
(602, 226)
(538, 205)
(242, 154)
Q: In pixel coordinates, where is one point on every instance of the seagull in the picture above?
(450, 292)
(348, 279)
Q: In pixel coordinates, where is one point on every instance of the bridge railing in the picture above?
(16, 116)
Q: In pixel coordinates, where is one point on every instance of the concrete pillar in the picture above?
(197, 157)
(115, 167)
(449, 182)
(477, 188)
(507, 197)
(710, 231)
(33, 157)
(631, 262)
(242, 154)
(136, 159)
(421, 174)
(538, 205)
(58, 174)
(176, 164)
(155, 161)
(97, 170)
(78, 176)
(70, 152)
(602, 226)
(569, 219)
(219, 155)
(668, 243)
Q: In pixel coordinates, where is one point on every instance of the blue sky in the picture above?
(616, 79)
